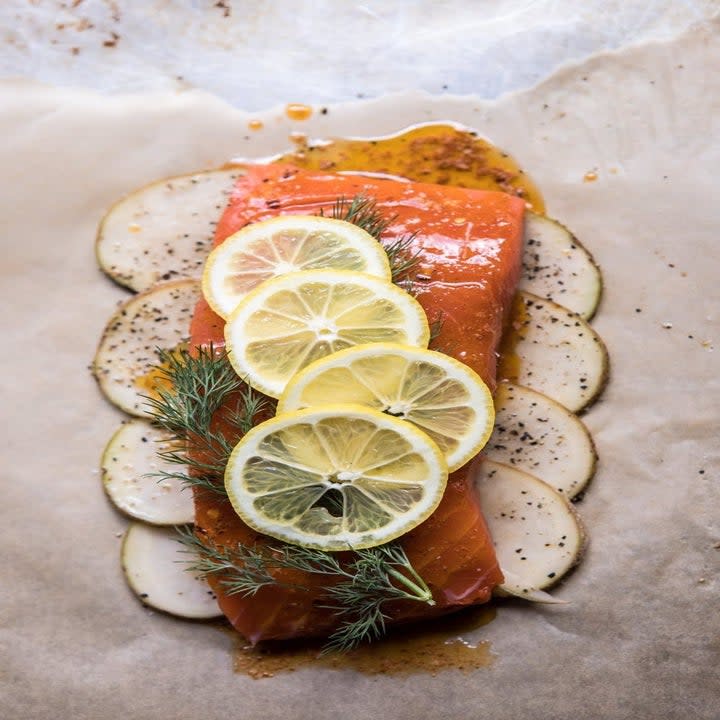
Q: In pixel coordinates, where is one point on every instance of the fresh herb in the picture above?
(203, 394)
(363, 212)
(244, 569)
(377, 576)
(402, 260)
(357, 590)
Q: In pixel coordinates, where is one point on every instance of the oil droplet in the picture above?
(255, 125)
(134, 228)
(156, 379)
(590, 176)
(297, 111)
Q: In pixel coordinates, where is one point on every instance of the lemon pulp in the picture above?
(289, 322)
(336, 478)
(440, 395)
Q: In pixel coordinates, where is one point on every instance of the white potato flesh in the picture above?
(557, 267)
(155, 566)
(128, 350)
(554, 351)
(164, 231)
(129, 468)
(537, 534)
(535, 434)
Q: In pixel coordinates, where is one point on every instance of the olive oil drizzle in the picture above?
(448, 642)
(432, 153)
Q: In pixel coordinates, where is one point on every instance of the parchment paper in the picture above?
(640, 637)
(254, 55)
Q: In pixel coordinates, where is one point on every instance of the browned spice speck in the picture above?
(225, 7)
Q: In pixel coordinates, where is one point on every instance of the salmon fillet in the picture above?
(469, 245)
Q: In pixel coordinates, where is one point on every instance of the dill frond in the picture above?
(243, 570)
(356, 590)
(379, 575)
(203, 393)
(363, 212)
(402, 260)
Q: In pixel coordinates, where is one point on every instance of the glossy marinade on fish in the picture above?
(469, 248)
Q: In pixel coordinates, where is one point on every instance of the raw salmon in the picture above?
(470, 247)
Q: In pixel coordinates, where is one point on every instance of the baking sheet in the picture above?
(640, 637)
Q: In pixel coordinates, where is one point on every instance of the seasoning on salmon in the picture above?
(469, 246)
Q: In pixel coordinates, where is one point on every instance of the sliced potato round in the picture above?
(128, 350)
(129, 465)
(155, 566)
(554, 351)
(163, 231)
(538, 435)
(537, 534)
(557, 267)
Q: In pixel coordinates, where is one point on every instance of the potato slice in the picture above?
(537, 534)
(163, 231)
(538, 435)
(554, 351)
(128, 466)
(557, 267)
(155, 566)
(127, 353)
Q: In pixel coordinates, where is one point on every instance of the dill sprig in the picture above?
(203, 394)
(363, 212)
(402, 260)
(378, 575)
(357, 589)
(243, 570)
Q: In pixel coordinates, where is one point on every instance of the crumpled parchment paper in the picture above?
(640, 637)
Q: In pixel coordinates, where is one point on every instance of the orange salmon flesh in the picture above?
(469, 245)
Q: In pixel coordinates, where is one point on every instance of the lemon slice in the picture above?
(335, 477)
(285, 244)
(444, 398)
(290, 321)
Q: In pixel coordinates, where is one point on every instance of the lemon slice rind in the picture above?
(440, 395)
(282, 325)
(287, 243)
(373, 460)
